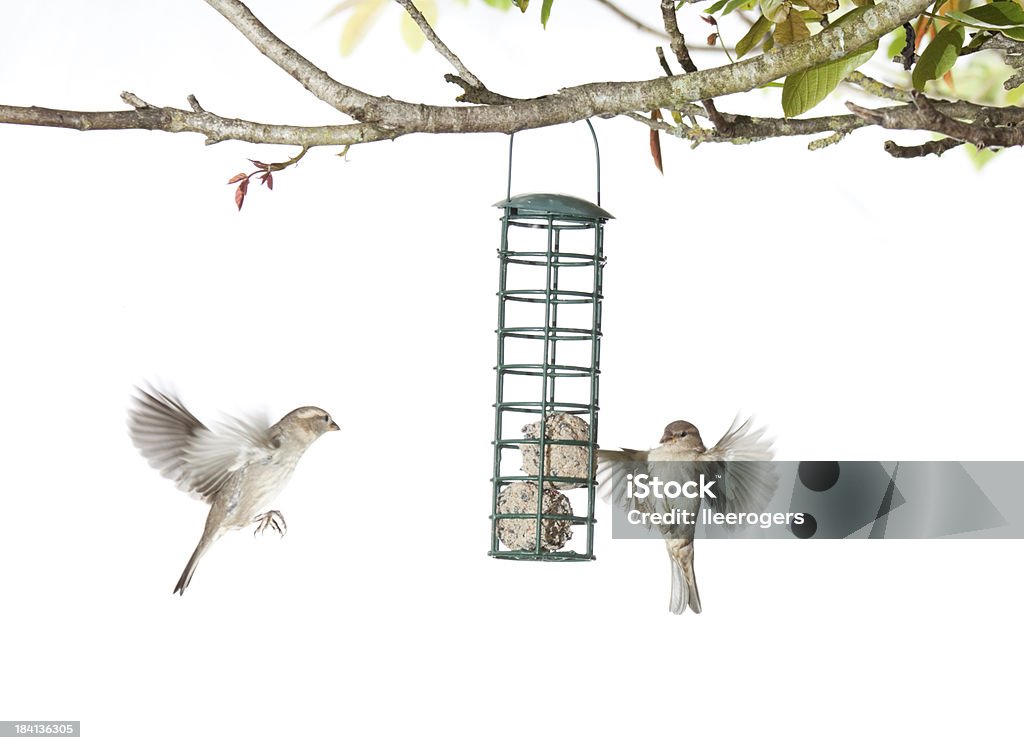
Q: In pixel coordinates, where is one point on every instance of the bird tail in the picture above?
(186, 576)
(684, 582)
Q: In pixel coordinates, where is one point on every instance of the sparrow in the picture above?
(740, 487)
(239, 468)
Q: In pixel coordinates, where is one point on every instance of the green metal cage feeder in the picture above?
(551, 259)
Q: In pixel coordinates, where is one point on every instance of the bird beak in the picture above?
(333, 426)
(665, 438)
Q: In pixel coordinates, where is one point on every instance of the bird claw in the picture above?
(272, 519)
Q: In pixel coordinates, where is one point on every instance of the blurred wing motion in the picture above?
(612, 469)
(190, 454)
(748, 479)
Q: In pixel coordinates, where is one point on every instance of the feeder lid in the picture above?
(554, 203)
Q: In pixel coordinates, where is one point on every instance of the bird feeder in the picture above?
(551, 259)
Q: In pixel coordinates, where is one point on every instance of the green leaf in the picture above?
(521, 4)
(938, 57)
(715, 7)
(761, 27)
(792, 29)
(1004, 17)
(545, 12)
(411, 33)
(998, 14)
(965, 19)
(808, 88)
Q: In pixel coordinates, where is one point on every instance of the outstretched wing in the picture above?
(197, 459)
(743, 457)
(612, 469)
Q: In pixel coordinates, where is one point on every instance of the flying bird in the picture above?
(743, 484)
(239, 468)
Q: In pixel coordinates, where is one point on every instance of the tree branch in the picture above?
(988, 129)
(578, 102)
(381, 117)
(745, 129)
(214, 127)
(1013, 54)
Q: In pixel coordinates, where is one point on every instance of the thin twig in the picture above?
(877, 88)
(442, 49)
(829, 140)
(938, 148)
(277, 166)
(664, 63)
(676, 39)
(477, 94)
(133, 101)
(678, 43)
(984, 132)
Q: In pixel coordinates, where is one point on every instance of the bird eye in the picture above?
(327, 417)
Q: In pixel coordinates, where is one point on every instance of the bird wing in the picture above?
(197, 459)
(612, 469)
(743, 457)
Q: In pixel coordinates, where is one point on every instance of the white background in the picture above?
(860, 306)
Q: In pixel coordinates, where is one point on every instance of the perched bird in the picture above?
(238, 468)
(741, 485)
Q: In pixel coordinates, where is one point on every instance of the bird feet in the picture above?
(272, 519)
